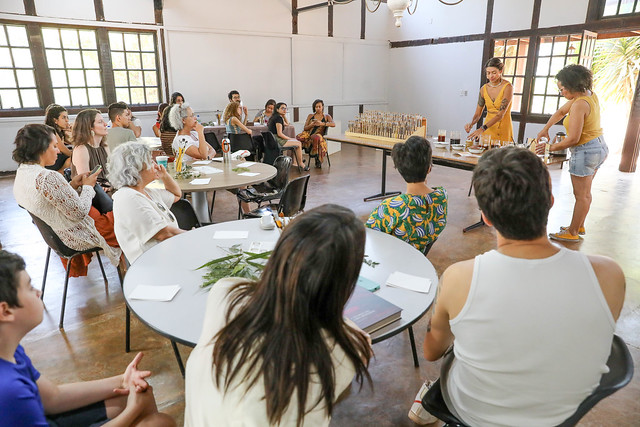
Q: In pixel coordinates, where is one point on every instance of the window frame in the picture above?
(550, 56)
(635, 10)
(518, 56)
(42, 72)
(14, 69)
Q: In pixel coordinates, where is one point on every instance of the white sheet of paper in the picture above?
(249, 173)
(200, 181)
(202, 162)
(246, 164)
(259, 247)
(408, 281)
(207, 170)
(231, 235)
(154, 293)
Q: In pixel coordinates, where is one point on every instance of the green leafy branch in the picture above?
(237, 263)
(240, 263)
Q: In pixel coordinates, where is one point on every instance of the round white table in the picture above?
(174, 262)
(225, 179)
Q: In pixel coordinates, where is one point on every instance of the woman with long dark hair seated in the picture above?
(312, 136)
(57, 117)
(278, 351)
(276, 126)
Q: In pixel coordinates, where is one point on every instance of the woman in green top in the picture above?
(420, 214)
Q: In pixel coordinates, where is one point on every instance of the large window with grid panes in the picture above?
(513, 53)
(620, 7)
(554, 53)
(17, 77)
(76, 67)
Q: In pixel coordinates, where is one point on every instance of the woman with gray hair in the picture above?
(142, 216)
(190, 134)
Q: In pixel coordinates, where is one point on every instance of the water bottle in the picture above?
(226, 150)
(198, 118)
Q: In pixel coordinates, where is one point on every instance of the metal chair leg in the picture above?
(178, 358)
(104, 275)
(127, 319)
(213, 201)
(64, 294)
(46, 269)
(413, 348)
(127, 330)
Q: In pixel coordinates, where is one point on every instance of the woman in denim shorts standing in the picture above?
(584, 139)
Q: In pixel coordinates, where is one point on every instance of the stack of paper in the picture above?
(154, 293)
(408, 281)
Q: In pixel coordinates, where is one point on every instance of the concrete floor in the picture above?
(92, 343)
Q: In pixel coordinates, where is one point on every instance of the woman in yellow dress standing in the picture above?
(496, 97)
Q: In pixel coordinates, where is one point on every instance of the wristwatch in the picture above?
(484, 127)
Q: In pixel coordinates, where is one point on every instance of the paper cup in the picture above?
(162, 160)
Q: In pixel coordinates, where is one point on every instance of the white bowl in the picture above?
(476, 150)
(458, 147)
(441, 144)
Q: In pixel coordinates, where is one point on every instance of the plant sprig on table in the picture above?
(238, 263)
(240, 170)
(371, 263)
(187, 172)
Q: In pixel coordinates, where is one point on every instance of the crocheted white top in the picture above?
(49, 196)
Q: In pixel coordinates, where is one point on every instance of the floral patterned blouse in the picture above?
(418, 220)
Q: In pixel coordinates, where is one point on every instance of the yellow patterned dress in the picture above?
(418, 220)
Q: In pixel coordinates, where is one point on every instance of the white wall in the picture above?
(428, 80)
(12, 6)
(512, 15)
(569, 12)
(218, 45)
(121, 11)
(434, 19)
(68, 9)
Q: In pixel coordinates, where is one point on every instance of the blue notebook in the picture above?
(368, 284)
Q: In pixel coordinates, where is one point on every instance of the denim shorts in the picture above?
(587, 158)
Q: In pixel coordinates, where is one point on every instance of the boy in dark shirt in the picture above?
(29, 399)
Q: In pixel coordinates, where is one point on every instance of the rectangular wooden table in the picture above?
(440, 157)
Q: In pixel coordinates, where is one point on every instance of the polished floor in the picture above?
(92, 343)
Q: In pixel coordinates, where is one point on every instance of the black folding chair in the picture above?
(242, 141)
(212, 140)
(62, 250)
(620, 366)
(324, 133)
(267, 191)
(272, 149)
(292, 201)
(185, 215)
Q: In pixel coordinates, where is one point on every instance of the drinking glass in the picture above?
(442, 135)
(455, 137)
(486, 141)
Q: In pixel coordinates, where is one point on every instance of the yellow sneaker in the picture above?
(564, 236)
(581, 230)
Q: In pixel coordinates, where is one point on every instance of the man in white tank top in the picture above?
(531, 322)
